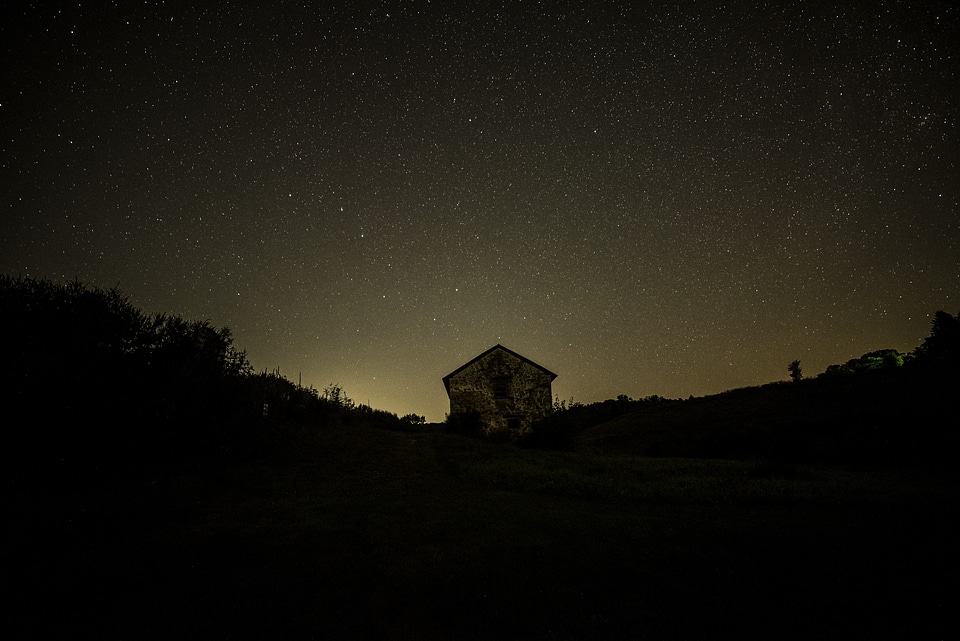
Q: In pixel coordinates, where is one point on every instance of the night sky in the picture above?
(671, 198)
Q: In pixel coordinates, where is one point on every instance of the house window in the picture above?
(513, 423)
(501, 388)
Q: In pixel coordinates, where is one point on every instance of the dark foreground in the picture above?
(369, 534)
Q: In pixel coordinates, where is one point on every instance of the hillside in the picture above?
(904, 415)
(161, 489)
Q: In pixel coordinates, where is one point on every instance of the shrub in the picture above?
(464, 423)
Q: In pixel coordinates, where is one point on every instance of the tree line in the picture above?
(940, 349)
(95, 384)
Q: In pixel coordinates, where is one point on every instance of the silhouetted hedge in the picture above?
(99, 387)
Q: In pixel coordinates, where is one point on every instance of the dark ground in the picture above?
(359, 533)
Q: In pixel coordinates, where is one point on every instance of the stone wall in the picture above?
(507, 392)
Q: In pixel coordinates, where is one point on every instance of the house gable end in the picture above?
(484, 355)
(501, 390)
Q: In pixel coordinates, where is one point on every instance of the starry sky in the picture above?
(672, 198)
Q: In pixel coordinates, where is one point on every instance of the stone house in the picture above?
(507, 392)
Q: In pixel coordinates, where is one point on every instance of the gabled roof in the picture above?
(446, 379)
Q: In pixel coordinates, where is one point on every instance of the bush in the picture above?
(464, 423)
(101, 386)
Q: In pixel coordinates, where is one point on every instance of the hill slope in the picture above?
(904, 415)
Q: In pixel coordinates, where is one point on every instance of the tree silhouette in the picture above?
(98, 382)
(943, 343)
(795, 372)
(875, 360)
(334, 394)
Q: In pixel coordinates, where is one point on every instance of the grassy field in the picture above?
(358, 533)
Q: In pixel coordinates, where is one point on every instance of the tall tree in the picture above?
(795, 372)
(943, 343)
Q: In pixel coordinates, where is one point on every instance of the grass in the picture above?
(357, 533)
